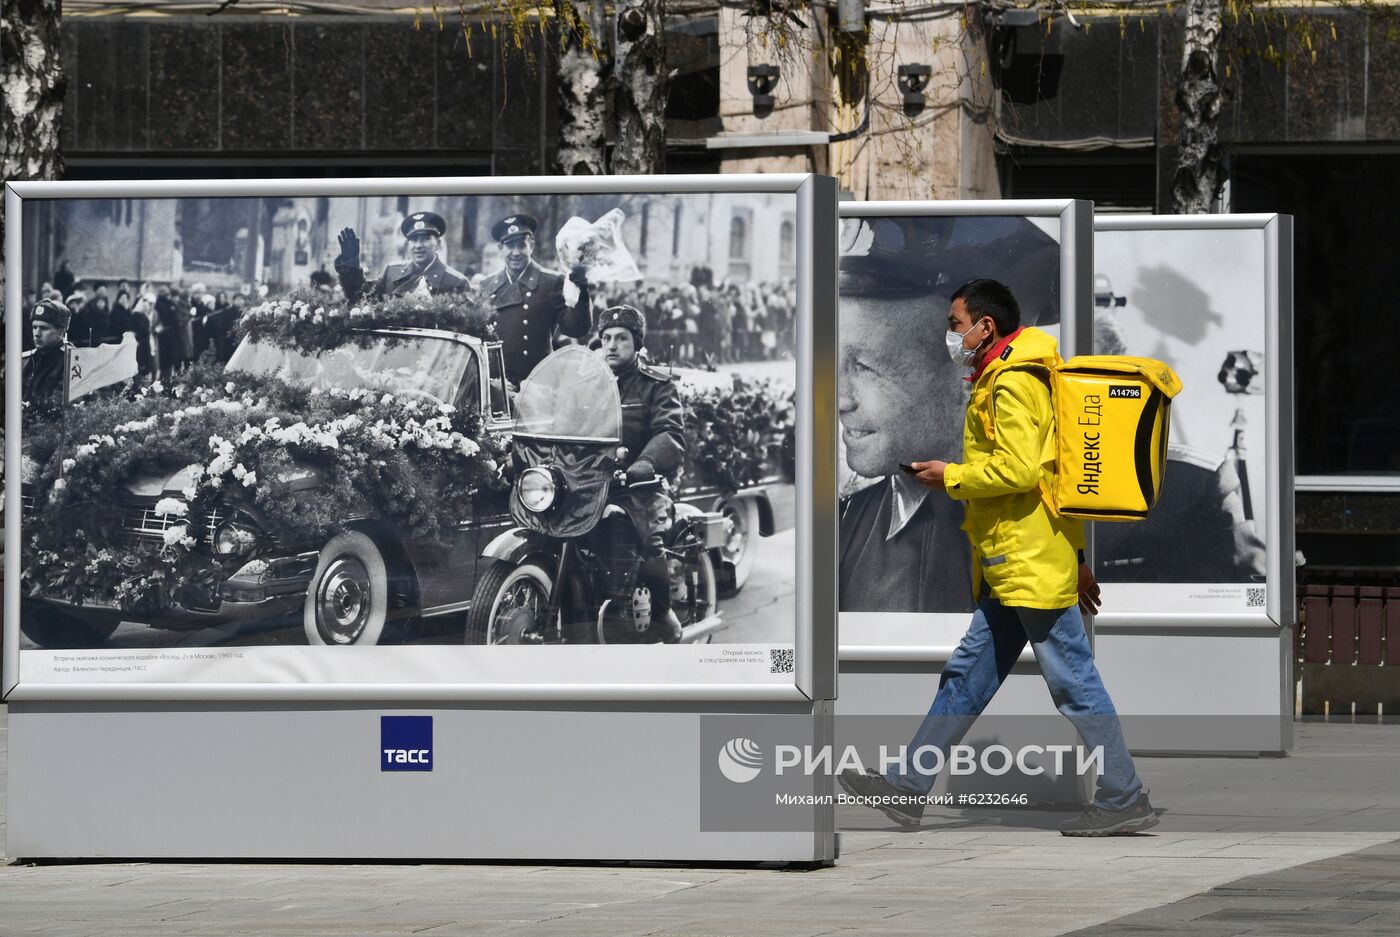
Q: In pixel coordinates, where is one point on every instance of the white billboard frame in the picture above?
(1280, 610)
(814, 676)
(1075, 218)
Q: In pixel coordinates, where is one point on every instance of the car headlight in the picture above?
(234, 539)
(537, 489)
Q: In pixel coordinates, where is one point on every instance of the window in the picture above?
(740, 248)
(738, 238)
(1348, 405)
(787, 247)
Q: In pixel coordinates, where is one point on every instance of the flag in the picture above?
(90, 369)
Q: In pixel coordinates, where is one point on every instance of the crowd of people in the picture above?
(172, 324)
(696, 323)
(704, 324)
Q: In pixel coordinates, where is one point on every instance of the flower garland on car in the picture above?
(298, 460)
(311, 321)
(732, 429)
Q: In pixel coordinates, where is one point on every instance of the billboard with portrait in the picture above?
(431, 438)
(904, 582)
(1210, 296)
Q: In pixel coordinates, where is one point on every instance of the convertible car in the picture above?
(366, 583)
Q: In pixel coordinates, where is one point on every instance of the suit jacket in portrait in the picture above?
(924, 567)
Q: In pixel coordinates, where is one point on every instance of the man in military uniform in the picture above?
(424, 272)
(44, 364)
(653, 432)
(529, 300)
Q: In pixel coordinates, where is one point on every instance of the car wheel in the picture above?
(740, 543)
(347, 602)
(49, 628)
(508, 600)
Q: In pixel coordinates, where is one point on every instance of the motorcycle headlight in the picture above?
(234, 539)
(537, 489)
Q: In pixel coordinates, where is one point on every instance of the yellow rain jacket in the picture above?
(1027, 555)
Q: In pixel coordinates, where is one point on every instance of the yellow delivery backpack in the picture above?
(1112, 417)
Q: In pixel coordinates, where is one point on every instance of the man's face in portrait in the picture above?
(422, 248)
(518, 251)
(45, 335)
(619, 347)
(901, 398)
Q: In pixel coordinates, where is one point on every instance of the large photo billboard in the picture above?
(904, 577)
(506, 437)
(1207, 295)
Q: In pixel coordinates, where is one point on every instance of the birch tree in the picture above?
(31, 79)
(1199, 98)
(583, 76)
(612, 82)
(640, 86)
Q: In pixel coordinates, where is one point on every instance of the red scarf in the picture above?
(993, 354)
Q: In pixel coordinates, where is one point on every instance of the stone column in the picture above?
(801, 98)
(945, 151)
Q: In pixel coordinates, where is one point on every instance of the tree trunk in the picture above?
(582, 88)
(1199, 98)
(31, 95)
(640, 83)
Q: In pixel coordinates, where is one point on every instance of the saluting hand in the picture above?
(349, 249)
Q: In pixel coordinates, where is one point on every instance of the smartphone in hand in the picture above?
(909, 468)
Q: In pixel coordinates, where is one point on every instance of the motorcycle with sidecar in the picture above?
(570, 571)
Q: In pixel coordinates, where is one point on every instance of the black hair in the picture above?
(992, 299)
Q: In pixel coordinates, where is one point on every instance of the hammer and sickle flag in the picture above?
(90, 369)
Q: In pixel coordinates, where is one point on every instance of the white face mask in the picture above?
(961, 356)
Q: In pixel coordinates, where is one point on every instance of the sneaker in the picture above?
(872, 790)
(1098, 821)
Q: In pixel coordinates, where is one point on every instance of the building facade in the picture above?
(938, 101)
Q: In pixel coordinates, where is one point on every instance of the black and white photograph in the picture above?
(1195, 299)
(387, 419)
(903, 554)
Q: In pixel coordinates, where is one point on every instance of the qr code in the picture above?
(780, 660)
(1254, 597)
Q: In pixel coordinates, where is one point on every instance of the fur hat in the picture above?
(53, 312)
(627, 318)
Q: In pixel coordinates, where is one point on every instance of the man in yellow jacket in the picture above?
(1028, 570)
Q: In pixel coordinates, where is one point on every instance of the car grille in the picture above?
(141, 523)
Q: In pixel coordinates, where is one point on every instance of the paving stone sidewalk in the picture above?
(1298, 845)
(1357, 893)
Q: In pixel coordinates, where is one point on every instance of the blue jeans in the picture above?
(977, 668)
